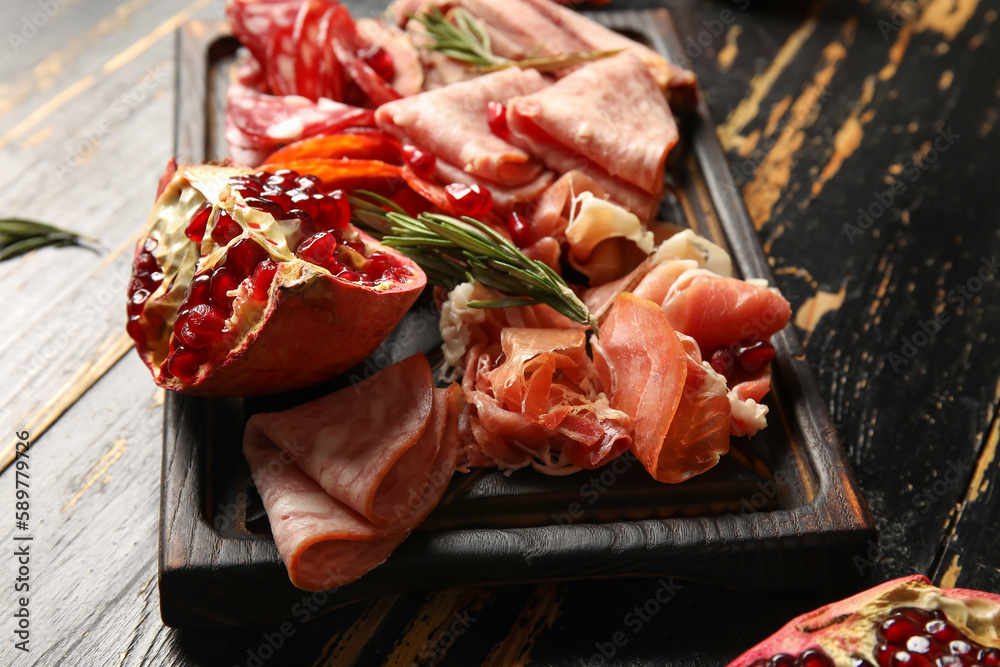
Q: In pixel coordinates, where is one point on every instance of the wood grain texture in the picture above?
(905, 431)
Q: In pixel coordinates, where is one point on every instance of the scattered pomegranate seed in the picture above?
(318, 248)
(223, 281)
(196, 228)
(225, 229)
(421, 162)
(244, 256)
(496, 116)
(722, 360)
(520, 232)
(263, 276)
(470, 200)
(380, 61)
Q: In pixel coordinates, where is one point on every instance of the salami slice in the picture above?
(308, 48)
(343, 35)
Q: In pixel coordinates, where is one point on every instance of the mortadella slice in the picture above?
(452, 123)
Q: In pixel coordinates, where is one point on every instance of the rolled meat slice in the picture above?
(452, 123)
(593, 116)
(345, 478)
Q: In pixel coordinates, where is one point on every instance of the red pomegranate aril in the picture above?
(380, 61)
(279, 197)
(184, 362)
(860, 662)
(223, 281)
(287, 175)
(989, 657)
(308, 181)
(722, 360)
(754, 356)
(334, 211)
(884, 653)
(948, 661)
(959, 647)
(520, 233)
(135, 329)
(814, 657)
(470, 200)
(942, 630)
(918, 644)
(377, 265)
(905, 659)
(269, 207)
(137, 302)
(305, 202)
(421, 162)
(244, 256)
(496, 116)
(263, 276)
(783, 660)
(199, 291)
(318, 248)
(348, 274)
(196, 228)
(200, 326)
(225, 229)
(245, 189)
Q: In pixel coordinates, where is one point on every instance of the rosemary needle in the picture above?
(19, 236)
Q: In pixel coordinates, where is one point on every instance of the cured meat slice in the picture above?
(255, 22)
(505, 197)
(263, 122)
(452, 123)
(715, 310)
(595, 114)
(345, 478)
(343, 36)
(308, 48)
(409, 73)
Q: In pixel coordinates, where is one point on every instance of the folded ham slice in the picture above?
(345, 478)
(452, 123)
(595, 115)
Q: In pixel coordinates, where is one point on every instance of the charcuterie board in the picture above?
(781, 511)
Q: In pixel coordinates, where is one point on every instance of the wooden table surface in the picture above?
(864, 137)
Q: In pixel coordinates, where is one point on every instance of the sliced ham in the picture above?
(596, 114)
(345, 478)
(451, 123)
(409, 73)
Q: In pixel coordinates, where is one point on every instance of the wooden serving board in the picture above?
(782, 511)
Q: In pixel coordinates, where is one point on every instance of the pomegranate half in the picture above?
(906, 621)
(256, 283)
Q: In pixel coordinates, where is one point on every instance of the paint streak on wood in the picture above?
(777, 113)
(106, 356)
(815, 307)
(158, 33)
(988, 122)
(886, 269)
(441, 611)
(539, 614)
(848, 138)
(897, 51)
(947, 76)
(947, 17)
(749, 144)
(772, 175)
(100, 468)
(760, 85)
(729, 52)
(42, 112)
(43, 76)
(987, 457)
(950, 576)
(343, 649)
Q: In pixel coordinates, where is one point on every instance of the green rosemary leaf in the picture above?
(510, 302)
(30, 243)
(18, 236)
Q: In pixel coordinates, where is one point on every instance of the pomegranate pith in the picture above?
(257, 305)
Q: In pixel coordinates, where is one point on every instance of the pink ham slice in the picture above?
(345, 478)
(261, 123)
(595, 114)
(452, 123)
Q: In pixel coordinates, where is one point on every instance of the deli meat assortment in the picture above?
(510, 154)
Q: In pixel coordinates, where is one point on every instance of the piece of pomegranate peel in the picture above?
(224, 305)
(906, 621)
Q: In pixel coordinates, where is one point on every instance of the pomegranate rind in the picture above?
(847, 628)
(312, 326)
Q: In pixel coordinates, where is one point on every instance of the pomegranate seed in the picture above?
(262, 176)
(421, 162)
(244, 256)
(200, 290)
(904, 659)
(184, 363)
(245, 189)
(959, 647)
(814, 657)
(860, 662)
(286, 175)
(496, 116)
(883, 654)
(380, 61)
(199, 327)
(137, 302)
(918, 644)
(520, 233)
(897, 629)
(334, 211)
(135, 329)
(223, 281)
(318, 248)
(989, 657)
(470, 200)
(304, 218)
(761, 663)
(305, 202)
(942, 630)
(308, 181)
(196, 228)
(225, 229)
(145, 263)
(722, 360)
(348, 274)
(916, 614)
(755, 355)
(377, 266)
(263, 276)
(269, 207)
(783, 660)
(279, 197)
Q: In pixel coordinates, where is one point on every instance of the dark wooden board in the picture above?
(781, 512)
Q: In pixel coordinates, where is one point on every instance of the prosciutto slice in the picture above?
(596, 113)
(345, 478)
(452, 123)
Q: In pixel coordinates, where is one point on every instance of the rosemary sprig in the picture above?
(20, 236)
(464, 38)
(454, 250)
